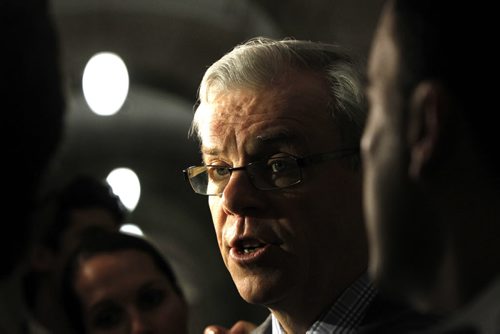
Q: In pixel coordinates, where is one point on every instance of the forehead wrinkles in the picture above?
(238, 117)
(232, 110)
(231, 114)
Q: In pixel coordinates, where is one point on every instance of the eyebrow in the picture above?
(273, 138)
(263, 142)
(210, 151)
(270, 142)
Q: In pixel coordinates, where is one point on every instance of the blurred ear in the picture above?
(428, 115)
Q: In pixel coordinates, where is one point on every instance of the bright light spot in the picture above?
(105, 83)
(131, 229)
(125, 184)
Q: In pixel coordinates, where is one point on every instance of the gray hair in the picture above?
(262, 62)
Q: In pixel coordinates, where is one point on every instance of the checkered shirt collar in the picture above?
(345, 315)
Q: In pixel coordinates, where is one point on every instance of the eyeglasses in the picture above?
(273, 173)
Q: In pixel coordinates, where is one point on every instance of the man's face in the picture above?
(381, 142)
(282, 245)
(397, 224)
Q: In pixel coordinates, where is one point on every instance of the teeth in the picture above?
(249, 246)
(247, 250)
(250, 249)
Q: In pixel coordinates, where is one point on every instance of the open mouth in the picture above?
(248, 248)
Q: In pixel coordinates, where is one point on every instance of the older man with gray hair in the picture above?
(279, 124)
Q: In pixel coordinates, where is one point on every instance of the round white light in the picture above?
(131, 229)
(105, 83)
(125, 184)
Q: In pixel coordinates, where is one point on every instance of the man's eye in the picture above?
(218, 173)
(279, 165)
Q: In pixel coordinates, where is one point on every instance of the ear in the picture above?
(428, 114)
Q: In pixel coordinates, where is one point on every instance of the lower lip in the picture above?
(249, 258)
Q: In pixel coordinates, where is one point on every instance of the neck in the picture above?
(472, 254)
(297, 321)
(298, 313)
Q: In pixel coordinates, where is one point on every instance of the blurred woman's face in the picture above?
(124, 292)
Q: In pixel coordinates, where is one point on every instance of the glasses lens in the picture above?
(274, 173)
(208, 180)
(217, 179)
(198, 178)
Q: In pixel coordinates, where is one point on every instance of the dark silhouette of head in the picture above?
(33, 103)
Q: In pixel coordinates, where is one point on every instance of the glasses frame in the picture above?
(301, 163)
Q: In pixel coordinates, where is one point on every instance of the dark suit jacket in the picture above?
(382, 317)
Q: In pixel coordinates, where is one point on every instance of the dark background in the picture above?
(167, 45)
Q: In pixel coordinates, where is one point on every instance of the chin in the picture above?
(253, 292)
(403, 277)
(383, 277)
(404, 253)
(386, 271)
(260, 289)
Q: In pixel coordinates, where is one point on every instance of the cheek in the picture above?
(374, 129)
(218, 216)
(301, 224)
(380, 146)
(380, 172)
(371, 162)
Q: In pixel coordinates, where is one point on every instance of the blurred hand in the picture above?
(240, 327)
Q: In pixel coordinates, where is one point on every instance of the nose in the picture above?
(365, 143)
(369, 138)
(240, 197)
